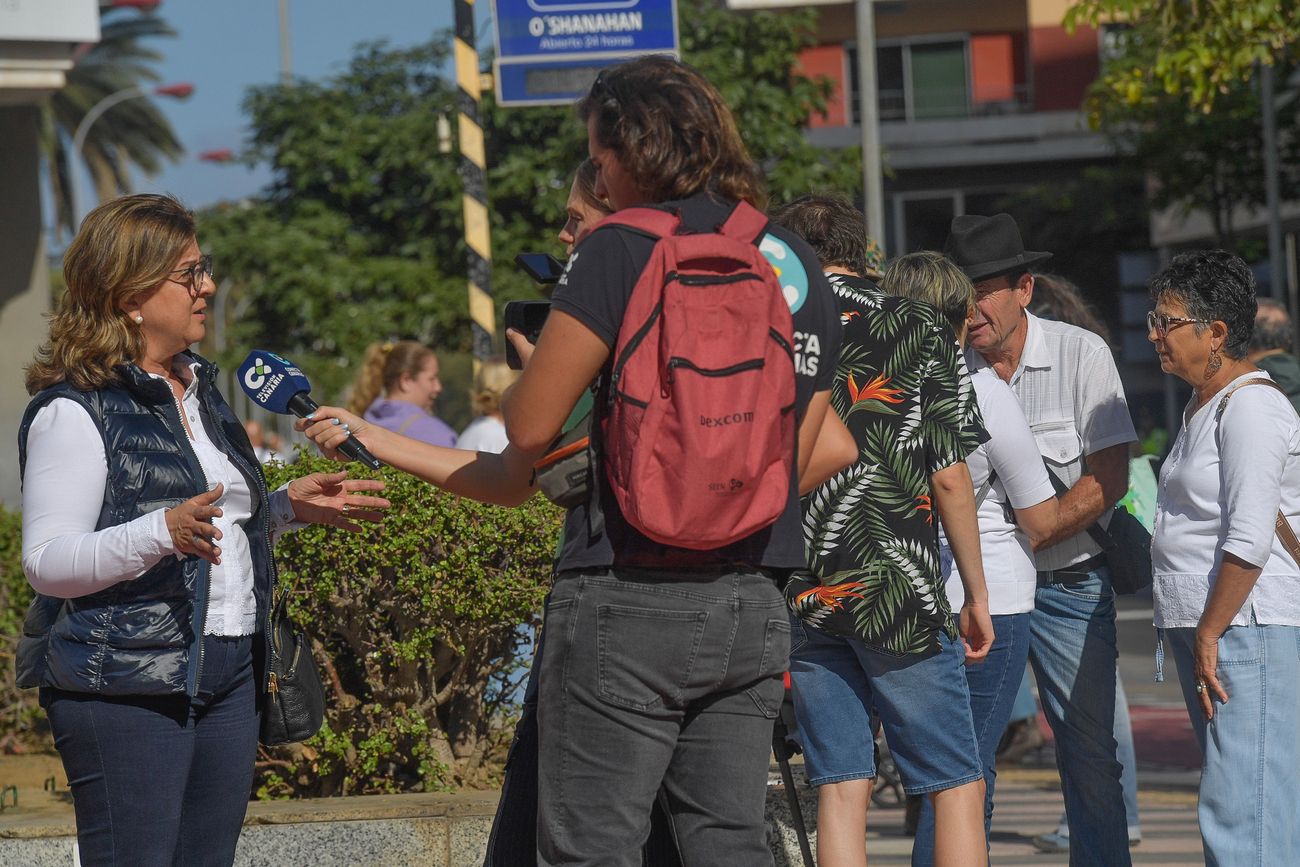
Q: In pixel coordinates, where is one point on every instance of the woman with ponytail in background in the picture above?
(396, 389)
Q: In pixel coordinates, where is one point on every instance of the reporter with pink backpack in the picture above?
(713, 338)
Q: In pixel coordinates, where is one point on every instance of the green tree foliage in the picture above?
(415, 624)
(132, 133)
(360, 236)
(1204, 48)
(1208, 161)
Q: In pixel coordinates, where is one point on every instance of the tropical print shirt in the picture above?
(903, 390)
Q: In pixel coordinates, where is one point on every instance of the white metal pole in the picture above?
(869, 118)
(79, 141)
(286, 49)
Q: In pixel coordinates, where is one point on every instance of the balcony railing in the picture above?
(946, 103)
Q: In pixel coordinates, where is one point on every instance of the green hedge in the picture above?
(416, 624)
(417, 629)
(21, 720)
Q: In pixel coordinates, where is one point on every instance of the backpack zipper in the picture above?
(710, 280)
(740, 367)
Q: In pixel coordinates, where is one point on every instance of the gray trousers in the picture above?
(658, 678)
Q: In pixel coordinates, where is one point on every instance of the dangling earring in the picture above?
(1212, 366)
(139, 320)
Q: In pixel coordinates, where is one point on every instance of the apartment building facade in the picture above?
(980, 104)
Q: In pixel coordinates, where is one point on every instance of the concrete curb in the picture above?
(361, 831)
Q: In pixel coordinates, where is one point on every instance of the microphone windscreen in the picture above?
(270, 381)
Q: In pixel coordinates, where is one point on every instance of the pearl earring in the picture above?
(138, 319)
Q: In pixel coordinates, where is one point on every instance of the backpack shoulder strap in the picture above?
(746, 223)
(655, 222)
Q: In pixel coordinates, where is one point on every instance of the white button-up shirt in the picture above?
(1069, 388)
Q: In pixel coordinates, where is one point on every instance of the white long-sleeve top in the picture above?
(1021, 481)
(63, 492)
(1220, 490)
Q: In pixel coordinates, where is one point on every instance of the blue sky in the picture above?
(225, 46)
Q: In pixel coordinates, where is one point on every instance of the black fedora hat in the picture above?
(985, 247)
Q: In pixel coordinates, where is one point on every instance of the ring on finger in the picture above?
(346, 508)
(1200, 687)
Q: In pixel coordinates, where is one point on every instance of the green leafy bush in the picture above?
(19, 713)
(416, 627)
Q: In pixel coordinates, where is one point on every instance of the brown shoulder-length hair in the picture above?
(671, 131)
(125, 248)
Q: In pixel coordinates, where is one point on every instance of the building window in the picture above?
(916, 79)
(920, 219)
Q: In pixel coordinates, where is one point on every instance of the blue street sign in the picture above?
(549, 51)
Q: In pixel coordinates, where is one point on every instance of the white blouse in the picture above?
(63, 493)
(484, 434)
(1021, 482)
(1220, 489)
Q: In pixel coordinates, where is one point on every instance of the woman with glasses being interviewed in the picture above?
(147, 532)
(1226, 581)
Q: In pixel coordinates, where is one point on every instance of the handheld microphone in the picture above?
(276, 384)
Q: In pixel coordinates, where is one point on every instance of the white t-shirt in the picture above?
(1220, 490)
(1021, 481)
(1072, 397)
(63, 492)
(484, 434)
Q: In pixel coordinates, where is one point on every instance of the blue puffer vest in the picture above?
(143, 636)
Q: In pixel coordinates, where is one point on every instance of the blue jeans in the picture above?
(1073, 651)
(839, 685)
(1025, 706)
(1249, 810)
(993, 686)
(657, 678)
(162, 780)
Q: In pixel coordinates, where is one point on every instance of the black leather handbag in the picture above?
(294, 706)
(1128, 551)
(1125, 542)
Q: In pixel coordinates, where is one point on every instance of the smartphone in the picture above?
(526, 317)
(542, 267)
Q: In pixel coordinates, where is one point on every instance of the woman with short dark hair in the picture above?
(1227, 584)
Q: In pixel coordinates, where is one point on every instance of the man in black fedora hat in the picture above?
(1067, 383)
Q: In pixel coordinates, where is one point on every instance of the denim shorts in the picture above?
(840, 687)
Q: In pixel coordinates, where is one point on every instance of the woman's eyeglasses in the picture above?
(1160, 322)
(194, 274)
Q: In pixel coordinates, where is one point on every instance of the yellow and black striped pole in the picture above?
(473, 172)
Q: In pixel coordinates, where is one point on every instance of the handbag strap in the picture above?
(1095, 531)
(1285, 534)
(985, 488)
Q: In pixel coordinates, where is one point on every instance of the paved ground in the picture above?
(1029, 799)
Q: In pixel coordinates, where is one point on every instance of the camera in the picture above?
(528, 317)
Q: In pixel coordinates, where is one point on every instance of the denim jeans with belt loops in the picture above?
(659, 678)
(1073, 652)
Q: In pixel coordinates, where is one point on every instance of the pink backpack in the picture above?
(699, 440)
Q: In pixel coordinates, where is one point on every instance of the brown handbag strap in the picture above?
(1283, 527)
(1288, 537)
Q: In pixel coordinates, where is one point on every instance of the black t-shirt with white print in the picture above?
(595, 289)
